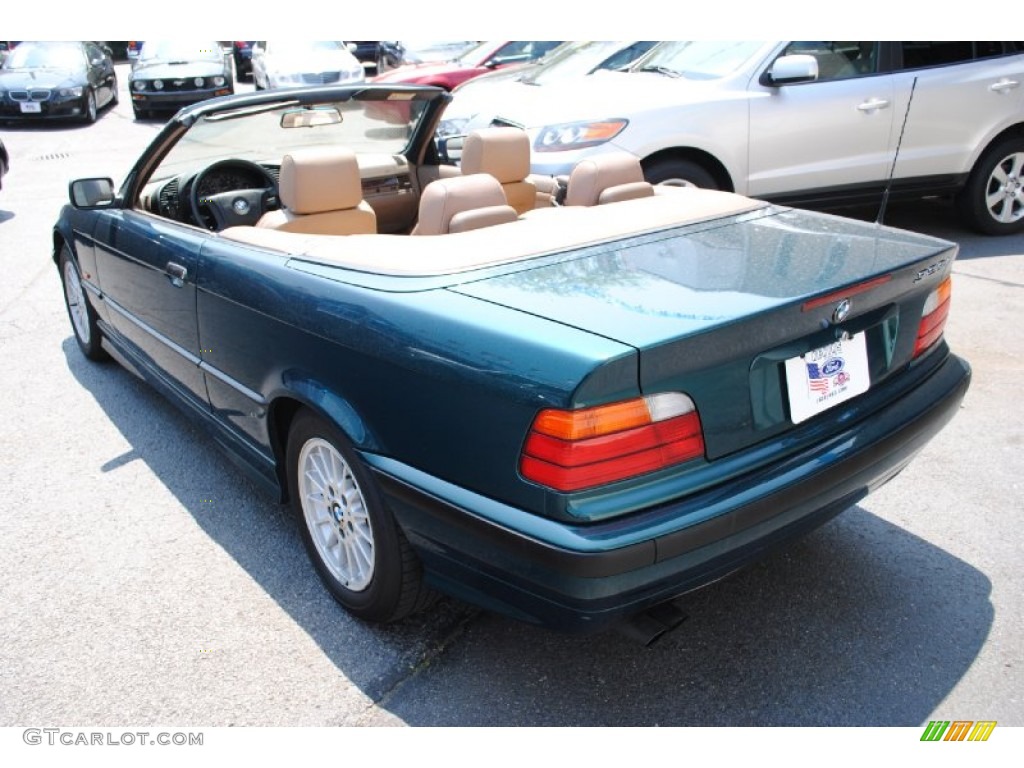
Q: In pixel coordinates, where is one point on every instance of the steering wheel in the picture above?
(237, 207)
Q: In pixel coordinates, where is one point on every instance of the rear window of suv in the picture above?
(935, 54)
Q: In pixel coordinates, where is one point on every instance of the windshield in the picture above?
(698, 59)
(265, 133)
(294, 48)
(46, 56)
(573, 59)
(441, 49)
(476, 54)
(177, 50)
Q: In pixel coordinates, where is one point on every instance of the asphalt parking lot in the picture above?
(145, 582)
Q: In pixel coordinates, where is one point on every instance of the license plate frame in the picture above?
(827, 376)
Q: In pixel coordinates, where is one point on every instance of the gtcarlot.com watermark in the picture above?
(73, 738)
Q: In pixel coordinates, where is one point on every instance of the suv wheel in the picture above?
(676, 172)
(993, 200)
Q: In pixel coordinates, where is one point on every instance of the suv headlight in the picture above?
(557, 138)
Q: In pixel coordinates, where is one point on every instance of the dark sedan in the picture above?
(57, 79)
(173, 74)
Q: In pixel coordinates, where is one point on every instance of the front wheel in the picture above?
(992, 202)
(677, 172)
(356, 547)
(89, 110)
(83, 316)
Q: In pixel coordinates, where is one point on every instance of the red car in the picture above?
(485, 57)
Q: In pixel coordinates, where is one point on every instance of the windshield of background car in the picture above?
(45, 56)
(575, 59)
(292, 47)
(177, 50)
(436, 50)
(698, 59)
(258, 132)
(475, 55)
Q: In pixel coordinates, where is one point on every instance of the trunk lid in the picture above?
(716, 309)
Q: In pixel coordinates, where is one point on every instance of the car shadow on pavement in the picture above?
(258, 533)
(860, 624)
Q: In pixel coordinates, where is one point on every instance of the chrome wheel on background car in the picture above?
(993, 200)
(356, 547)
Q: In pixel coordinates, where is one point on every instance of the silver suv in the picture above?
(804, 122)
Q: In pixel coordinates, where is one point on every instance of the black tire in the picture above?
(115, 97)
(358, 551)
(678, 172)
(89, 109)
(992, 201)
(140, 114)
(80, 311)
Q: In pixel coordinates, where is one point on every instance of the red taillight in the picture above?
(933, 318)
(575, 450)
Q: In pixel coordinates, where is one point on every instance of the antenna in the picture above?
(899, 143)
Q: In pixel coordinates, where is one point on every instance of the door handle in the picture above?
(872, 104)
(177, 273)
(1004, 86)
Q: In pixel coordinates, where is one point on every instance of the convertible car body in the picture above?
(569, 414)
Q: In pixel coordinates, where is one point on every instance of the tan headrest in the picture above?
(592, 175)
(620, 192)
(320, 179)
(481, 217)
(502, 152)
(443, 199)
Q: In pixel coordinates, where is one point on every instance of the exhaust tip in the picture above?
(650, 626)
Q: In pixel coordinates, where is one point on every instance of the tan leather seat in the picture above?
(607, 179)
(462, 203)
(504, 153)
(322, 194)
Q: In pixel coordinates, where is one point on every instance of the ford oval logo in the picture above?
(841, 312)
(832, 366)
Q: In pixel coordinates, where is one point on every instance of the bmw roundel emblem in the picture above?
(841, 312)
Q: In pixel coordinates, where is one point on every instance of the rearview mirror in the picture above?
(310, 118)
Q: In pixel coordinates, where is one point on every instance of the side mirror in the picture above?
(351, 47)
(87, 194)
(789, 70)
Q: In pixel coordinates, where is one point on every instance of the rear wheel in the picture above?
(992, 202)
(355, 545)
(80, 311)
(677, 172)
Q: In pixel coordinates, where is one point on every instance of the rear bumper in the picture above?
(566, 577)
